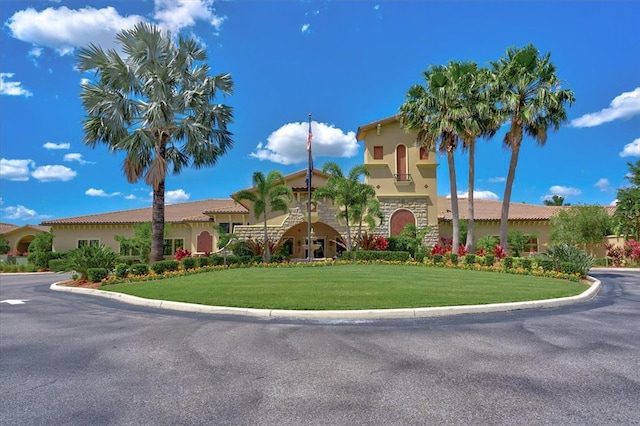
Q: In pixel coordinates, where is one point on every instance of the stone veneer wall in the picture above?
(326, 213)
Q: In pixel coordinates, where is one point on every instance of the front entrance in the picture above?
(325, 241)
(318, 245)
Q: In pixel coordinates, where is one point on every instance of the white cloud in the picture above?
(625, 105)
(288, 144)
(64, 29)
(603, 184)
(631, 149)
(130, 197)
(74, 156)
(477, 195)
(12, 88)
(563, 191)
(17, 170)
(305, 28)
(173, 197)
(51, 145)
(18, 212)
(53, 173)
(614, 202)
(498, 179)
(92, 192)
(174, 15)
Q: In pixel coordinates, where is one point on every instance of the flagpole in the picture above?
(310, 174)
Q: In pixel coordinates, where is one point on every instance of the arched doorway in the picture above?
(400, 219)
(23, 244)
(327, 241)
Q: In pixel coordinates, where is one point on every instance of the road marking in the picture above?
(14, 301)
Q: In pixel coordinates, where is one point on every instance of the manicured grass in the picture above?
(357, 286)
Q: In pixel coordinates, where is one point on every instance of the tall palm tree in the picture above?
(529, 94)
(270, 192)
(439, 112)
(555, 200)
(342, 191)
(155, 103)
(483, 121)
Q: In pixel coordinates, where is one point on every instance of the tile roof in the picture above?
(491, 210)
(6, 228)
(193, 211)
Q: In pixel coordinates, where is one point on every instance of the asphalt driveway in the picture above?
(75, 359)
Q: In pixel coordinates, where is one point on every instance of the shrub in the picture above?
(452, 257)
(96, 274)
(525, 263)
(562, 253)
(567, 268)
(121, 270)
(507, 262)
(546, 264)
(401, 244)
(181, 254)
(469, 259)
(499, 253)
(381, 243)
(189, 262)
(86, 257)
(40, 250)
(397, 256)
(58, 265)
(204, 261)
(438, 259)
(462, 250)
(421, 253)
(489, 259)
(139, 269)
(276, 258)
(162, 266)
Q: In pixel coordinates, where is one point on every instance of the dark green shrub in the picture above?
(452, 257)
(525, 263)
(489, 259)
(420, 254)
(402, 244)
(568, 268)
(216, 260)
(189, 262)
(247, 259)
(96, 274)
(546, 264)
(40, 250)
(58, 265)
(438, 259)
(507, 262)
(392, 256)
(162, 266)
(203, 261)
(139, 269)
(121, 270)
(562, 253)
(276, 258)
(469, 259)
(87, 257)
(601, 261)
(232, 260)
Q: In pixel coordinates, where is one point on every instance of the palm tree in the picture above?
(155, 104)
(272, 192)
(342, 191)
(438, 111)
(555, 200)
(482, 120)
(367, 208)
(529, 94)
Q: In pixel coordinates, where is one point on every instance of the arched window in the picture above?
(400, 219)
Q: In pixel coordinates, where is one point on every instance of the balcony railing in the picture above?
(402, 178)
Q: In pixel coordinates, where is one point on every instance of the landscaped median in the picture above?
(346, 290)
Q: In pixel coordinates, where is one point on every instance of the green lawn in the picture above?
(372, 286)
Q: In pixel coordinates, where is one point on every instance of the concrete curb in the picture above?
(368, 314)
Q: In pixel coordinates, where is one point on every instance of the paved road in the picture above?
(74, 359)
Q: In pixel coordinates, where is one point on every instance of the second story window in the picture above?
(424, 153)
(377, 153)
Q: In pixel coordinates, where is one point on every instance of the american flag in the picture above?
(309, 138)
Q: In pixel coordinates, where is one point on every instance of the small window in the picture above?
(90, 243)
(531, 245)
(236, 224)
(377, 153)
(424, 153)
(171, 245)
(224, 226)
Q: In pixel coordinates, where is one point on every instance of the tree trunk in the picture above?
(267, 255)
(346, 211)
(157, 223)
(454, 202)
(470, 237)
(511, 175)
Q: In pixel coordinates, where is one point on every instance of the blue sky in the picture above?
(348, 63)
